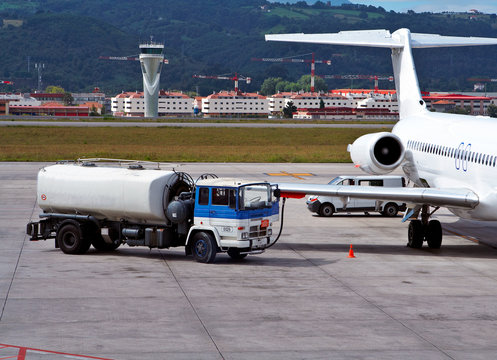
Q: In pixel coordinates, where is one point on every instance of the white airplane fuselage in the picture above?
(453, 151)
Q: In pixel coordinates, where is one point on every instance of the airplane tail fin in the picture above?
(401, 42)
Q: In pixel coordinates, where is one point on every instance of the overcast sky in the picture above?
(489, 6)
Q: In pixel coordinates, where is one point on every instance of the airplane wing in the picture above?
(381, 38)
(453, 198)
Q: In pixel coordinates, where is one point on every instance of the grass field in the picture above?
(181, 144)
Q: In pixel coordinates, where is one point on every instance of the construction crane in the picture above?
(376, 78)
(293, 59)
(125, 58)
(235, 78)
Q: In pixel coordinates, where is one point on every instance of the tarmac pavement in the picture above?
(303, 298)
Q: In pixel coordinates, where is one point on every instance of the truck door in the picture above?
(222, 210)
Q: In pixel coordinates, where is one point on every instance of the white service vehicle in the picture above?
(328, 205)
(105, 206)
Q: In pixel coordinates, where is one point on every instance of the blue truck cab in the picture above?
(232, 215)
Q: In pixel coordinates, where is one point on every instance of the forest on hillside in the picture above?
(215, 37)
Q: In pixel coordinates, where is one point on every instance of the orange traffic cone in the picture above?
(351, 252)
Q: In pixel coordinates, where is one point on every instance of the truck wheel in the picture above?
(71, 241)
(390, 210)
(326, 210)
(204, 247)
(234, 253)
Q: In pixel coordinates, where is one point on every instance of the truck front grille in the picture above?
(256, 231)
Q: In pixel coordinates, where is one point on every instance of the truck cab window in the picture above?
(220, 196)
(203, 197)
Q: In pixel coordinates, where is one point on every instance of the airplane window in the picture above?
(486, 160)
(495, 158)
(479, 159)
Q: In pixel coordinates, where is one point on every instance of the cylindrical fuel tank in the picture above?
(111, 193)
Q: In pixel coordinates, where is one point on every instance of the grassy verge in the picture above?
(178, 144)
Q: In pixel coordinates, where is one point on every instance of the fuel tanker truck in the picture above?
(84, 204)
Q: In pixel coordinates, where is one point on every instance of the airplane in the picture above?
(451, 159)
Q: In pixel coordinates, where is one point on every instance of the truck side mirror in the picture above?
(277, 193)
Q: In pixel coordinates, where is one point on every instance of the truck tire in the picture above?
(70, 239)
(390, 210)
(204, 247)
(234, 253)
(326, 210)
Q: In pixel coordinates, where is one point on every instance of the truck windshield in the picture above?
(255, 196)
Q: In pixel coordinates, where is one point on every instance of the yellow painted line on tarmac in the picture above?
(470, 238)
(295, 175)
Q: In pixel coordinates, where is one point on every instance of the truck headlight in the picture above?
(270, 231)
(245, 235)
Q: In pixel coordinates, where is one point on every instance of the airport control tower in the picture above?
(151, 60)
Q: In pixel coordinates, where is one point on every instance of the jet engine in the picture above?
(377, 153)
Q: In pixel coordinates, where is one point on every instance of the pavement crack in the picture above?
(191, 305)
(17, 266)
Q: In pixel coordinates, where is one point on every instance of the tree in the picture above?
(492, 110)
(94, 111)
(289, 109)
(269, 85)
(67, 98)
(321, 104)
(53, 89)
(305, 83)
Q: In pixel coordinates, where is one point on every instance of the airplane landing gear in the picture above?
(425, 230)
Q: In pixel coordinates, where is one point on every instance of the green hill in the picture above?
(216, 37)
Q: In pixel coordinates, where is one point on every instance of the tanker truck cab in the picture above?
(233, 216)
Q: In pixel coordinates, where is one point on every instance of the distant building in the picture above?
(81, 98)
(478, 104)
(232, 103)
(14, 23)
(337, 99)
(346, 113)
(170, 104)
(50, 109)
(48, 97)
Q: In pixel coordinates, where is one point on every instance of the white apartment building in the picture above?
(170, 104)
(232, 103)
(307, 100)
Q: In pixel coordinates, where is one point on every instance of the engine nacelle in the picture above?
(377, 153)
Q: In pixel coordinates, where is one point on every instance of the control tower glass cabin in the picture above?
(151, 60)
